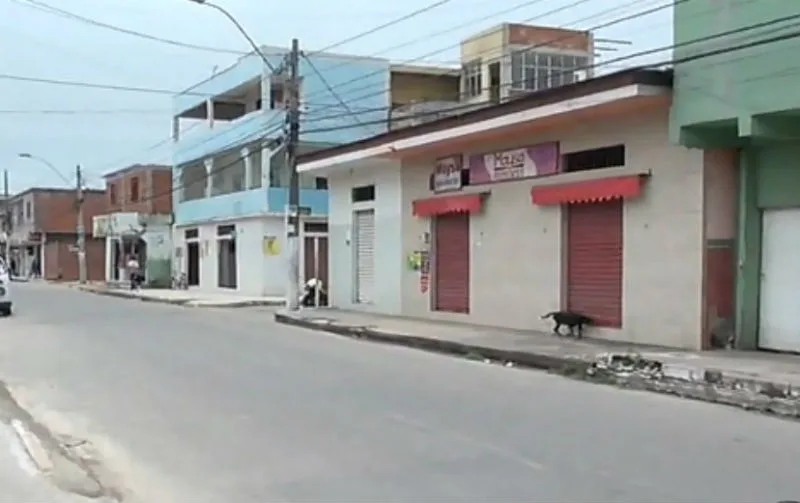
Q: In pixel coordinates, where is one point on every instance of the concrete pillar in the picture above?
(109, 259)
(209, 164)
(176, 129)
(266, 157)
(210, 112)
(248, 167)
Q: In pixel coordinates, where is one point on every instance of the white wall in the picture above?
(257, 273)
(389, 257)
(517, 247)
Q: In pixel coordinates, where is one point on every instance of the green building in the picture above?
(747, 101)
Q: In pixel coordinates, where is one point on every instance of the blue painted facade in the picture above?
(270, 201)
(362, 83)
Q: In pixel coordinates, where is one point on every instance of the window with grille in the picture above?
(471, 76)
(535, 71)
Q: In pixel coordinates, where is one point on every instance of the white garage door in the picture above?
(365, 255)
(780, 281)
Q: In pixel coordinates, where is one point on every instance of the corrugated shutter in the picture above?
(365, 255)
(451, 263)
(594, 261)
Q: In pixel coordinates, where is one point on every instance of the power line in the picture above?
(427, 36)
(218, 169)
(78, 111)
(672, 61)
(571, 5)
(330, 89)
(47, 8)
(530, 47)
(383, 26)
(93, 85)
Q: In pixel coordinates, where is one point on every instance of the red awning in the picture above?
(465, 203)
(587, 192)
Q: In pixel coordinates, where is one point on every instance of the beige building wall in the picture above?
(516, 253)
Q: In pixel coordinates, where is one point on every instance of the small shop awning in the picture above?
(604, 189)
(463, 203)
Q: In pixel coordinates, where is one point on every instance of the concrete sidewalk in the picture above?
(759, 381)
(186, 298)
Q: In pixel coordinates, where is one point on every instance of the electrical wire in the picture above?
(218, 169)
(554, 40)
(437, 33)
(325, 82)
(673, 61)
(78, 111)
(47, 8)
(383, 26)
(669, 62)
(612, 61)
(93, 85)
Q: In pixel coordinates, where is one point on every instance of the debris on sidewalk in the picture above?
(705, 376)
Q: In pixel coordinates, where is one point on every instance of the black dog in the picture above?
(571, 320)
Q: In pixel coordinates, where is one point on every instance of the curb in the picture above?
(33, 447)
(624, 370)
(123, 294)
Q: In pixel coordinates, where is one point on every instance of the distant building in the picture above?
(137, 221)
(44, 229)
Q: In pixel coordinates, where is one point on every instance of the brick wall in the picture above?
(145, 189)
(57, 212)
(61, 262)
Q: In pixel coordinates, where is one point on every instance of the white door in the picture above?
(364, 255)
(780, 281)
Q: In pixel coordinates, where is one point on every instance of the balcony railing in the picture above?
(201, 141)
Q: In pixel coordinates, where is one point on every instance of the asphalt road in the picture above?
(209, 406)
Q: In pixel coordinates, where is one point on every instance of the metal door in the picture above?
(364, 256)
(594, 261)
(780, 281)
(451, 263)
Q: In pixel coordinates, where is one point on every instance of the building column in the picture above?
(176, 129)
(209, 164)
(109, 258)
(248, 167)
(210, 112)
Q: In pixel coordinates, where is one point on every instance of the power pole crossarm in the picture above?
(80, 229)
(293, 138)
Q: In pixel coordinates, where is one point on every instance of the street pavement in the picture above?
(212, 405)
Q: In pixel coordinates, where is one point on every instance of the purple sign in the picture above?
(527, 162)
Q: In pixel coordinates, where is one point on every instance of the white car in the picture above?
(5, 289)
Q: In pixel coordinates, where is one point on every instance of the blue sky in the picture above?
(107, 130)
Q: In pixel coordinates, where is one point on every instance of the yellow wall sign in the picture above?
(271, 246)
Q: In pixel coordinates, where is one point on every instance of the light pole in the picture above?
(42, 160)
(241, 29)
(80, 229)
(289, 65)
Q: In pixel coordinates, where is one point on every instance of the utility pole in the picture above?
(6, 219)
(81, 230)
(293, 138)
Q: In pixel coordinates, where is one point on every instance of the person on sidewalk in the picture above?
(134, 273)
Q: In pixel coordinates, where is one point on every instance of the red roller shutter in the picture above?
(594, 261)
(451, 263)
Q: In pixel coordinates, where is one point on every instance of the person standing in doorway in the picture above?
(134, 272)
